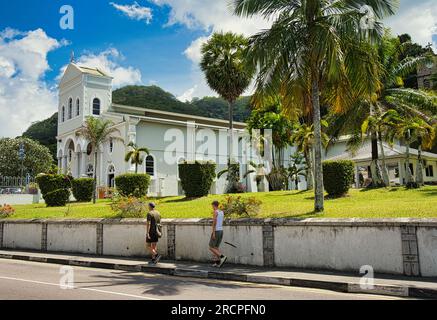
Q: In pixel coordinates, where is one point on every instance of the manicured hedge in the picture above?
(83, 189)
(57, 198)
(338, 177)
(196, 177)
(132, 184)
(55, 188)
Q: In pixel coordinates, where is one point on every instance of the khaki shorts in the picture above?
(215, 243)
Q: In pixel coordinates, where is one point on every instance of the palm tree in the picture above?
(391, 95)
(381, 125)
(315, 53)
(411, 130)
(97, 131)
(303, 139)
(297, 168)
(134, 155)
(226, 71)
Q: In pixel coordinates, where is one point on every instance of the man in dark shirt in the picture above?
(153, 232)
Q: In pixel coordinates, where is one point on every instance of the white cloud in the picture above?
(188, 95)
(418, 18)
(24, 96)
(193, 52)
(109, 61)
(135, 11)
(209, 16)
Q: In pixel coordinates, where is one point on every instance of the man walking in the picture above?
(153, 230)
(217, 235)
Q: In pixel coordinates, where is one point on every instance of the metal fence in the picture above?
(15, 182)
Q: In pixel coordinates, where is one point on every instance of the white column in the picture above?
(75, 165)
(59, 165)
(65, 165)
(191, 141)
(401, 172)
(357, 177)
(82, 170)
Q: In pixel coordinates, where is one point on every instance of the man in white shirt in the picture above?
(217, 235)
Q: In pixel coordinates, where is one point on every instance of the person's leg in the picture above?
(215, 252)
(152, 251)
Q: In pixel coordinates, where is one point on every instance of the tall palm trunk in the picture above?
(384, 165)
(409, 179)
(318, 169)
(310, 177)
(231, 131)
(95, 178)
(419, 167)
(136, 168)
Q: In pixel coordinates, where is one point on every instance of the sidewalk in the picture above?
(383, 284)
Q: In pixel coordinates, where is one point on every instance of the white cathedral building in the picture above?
(172, 138)
(85, 92)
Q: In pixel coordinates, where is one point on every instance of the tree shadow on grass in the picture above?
(185, 199)
(428, 193)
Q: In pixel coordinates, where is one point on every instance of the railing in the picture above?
(15, 182)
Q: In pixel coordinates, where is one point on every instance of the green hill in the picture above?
(45, 132)
(153, 97)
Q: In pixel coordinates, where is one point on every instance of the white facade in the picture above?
(199, 138)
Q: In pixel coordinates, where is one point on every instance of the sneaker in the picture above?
(157, 258)
(216, 264)
(222, 261)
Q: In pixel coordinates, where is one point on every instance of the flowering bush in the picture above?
(241, 206)
(6, 210)
(129, 207)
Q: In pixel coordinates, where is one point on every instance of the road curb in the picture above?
(346, 287)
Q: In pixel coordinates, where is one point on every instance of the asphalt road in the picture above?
(21, 280)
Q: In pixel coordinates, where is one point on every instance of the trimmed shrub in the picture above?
(55, 188)
(83, 189)
(57, 198)
(130, 207)
(197, 177)
(132, 184)
(338, 177)
(241, 207)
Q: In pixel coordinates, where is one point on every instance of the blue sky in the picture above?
(139, 42)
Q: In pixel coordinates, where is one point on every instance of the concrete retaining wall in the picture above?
(398, 246)
(29, 236)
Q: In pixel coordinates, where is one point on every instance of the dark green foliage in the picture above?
(82, 189)
(57, 198)
(45, 132)
(153, 97)
(37, 157)
(196, 178)
(132, 184)
(55, 188)
(338, 177)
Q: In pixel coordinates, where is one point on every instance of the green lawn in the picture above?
(381, 203)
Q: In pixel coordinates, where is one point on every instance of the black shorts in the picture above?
(153, 238)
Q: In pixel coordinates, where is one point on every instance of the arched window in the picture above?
(70, 108)
(77, 107)
(90, 171)
(63, 114)
(111, 145)
(96, 107)
(150, 166)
